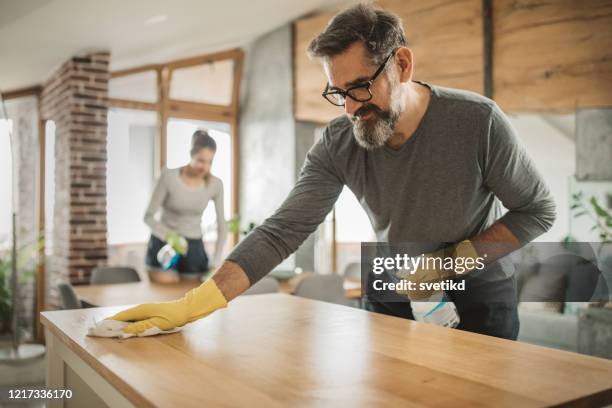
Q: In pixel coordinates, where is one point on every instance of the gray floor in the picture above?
(5, 401)
(21, 377)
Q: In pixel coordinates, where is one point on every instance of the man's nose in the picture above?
(351, 106)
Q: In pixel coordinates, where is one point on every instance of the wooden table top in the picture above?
(278, 350)
(137, 292)
(143, 292)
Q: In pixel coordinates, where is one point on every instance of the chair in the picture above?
(68, 297)
(353, 271)
(265, 285)
(114, 274)
(328, 288)
(135, 260)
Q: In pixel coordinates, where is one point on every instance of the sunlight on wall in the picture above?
(6, 174)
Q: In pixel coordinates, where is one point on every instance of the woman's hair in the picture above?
(202, 140)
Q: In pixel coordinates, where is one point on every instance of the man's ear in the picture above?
(404, 60)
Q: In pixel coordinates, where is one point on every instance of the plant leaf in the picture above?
(598, 209)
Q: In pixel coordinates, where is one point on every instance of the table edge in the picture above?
(122, 387)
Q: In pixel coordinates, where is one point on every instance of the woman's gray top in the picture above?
(182, 207)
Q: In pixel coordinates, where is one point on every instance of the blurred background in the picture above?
(102, 95)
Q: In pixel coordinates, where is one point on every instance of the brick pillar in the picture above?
(76, 98)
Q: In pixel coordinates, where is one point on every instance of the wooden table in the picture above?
(144, 292)
(133, 293)
(284, 351)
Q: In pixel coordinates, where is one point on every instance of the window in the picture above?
(208, 83)
(130, 173)
(352, 228)
(6, 192)
(141, 87)
(155, 111)
(538, 132)
(49, 184)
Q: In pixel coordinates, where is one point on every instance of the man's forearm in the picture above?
(231, 280)
(495, 242)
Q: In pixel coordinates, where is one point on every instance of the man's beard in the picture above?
(374, 132)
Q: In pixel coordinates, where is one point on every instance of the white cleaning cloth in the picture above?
(114, 328)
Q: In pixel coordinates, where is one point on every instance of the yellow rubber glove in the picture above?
(465, 249)
(197, 303)
(432, 270)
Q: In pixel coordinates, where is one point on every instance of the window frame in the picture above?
(167, 108)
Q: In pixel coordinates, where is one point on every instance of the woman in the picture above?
(183, 194)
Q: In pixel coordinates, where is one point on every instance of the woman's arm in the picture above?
(221, 225)
(157, 199)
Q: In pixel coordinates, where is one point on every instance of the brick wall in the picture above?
(76, 99)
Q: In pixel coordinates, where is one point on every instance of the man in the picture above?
(428, 164)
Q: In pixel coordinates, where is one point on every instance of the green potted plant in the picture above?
(601, 218)
(5, 297)
(26, 274)
(234, 226)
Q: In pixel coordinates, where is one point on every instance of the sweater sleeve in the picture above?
(157, 198)
(306, 206)
(221, 225)
(511, 175)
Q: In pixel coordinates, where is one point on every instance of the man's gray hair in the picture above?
(380, 31)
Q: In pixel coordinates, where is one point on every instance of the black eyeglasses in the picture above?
(360, 92)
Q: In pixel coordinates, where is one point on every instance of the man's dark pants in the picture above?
(485, 307)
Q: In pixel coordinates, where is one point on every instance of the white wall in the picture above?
(5, 184)
(267, 128)
(554, 155)
(130, 168)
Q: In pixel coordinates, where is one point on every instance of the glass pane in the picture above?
(141, 87)
(352, 227)
(209, 83)
(6, 195)
(177, 147)
(49, 184)
(130, 173)
(538, 132)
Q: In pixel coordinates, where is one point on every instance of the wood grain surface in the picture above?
(552, 54)
(279, 350)
(548, 55)
(144, 292)
(132, 293)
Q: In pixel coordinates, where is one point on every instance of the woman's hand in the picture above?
(177, 242)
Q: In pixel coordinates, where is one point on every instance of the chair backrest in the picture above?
(353, 271)
(68, 296)
(265, 285)
(114, 274)
(328, 288)
(134, 260)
